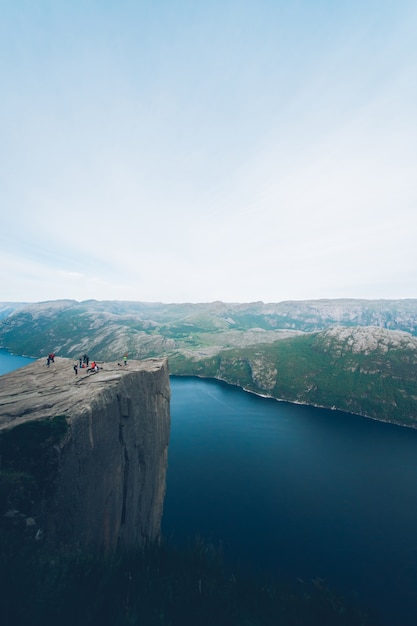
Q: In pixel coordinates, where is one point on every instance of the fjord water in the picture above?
(293, 491)
(297, 492)
(10, 362)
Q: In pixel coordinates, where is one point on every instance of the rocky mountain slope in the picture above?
(108, 329)
(355, 355)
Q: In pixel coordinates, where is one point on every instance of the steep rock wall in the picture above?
(110, 466)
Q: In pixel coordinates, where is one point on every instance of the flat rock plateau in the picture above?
(38, 391)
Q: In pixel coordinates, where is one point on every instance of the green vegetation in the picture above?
(28, 462)
(304, 369)
(160, 586)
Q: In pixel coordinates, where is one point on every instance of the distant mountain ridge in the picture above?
(6, 308)
(356, 355)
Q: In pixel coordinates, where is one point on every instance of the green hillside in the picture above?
(313, 370)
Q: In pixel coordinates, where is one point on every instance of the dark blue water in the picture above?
(298, 492)
(10, 362)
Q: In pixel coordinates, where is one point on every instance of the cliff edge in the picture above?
(88, 451)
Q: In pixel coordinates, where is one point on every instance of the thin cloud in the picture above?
(225, 151)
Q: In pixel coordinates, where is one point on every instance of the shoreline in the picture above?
(317, 406)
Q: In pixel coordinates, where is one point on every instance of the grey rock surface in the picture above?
(110, 480)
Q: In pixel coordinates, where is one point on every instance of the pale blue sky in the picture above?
(195, 151)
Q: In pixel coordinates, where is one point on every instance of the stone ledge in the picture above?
(38, 392)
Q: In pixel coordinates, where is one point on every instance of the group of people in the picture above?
(84, 362)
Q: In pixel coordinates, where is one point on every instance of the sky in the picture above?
(188, 151)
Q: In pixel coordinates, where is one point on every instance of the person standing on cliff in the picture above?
(125, 359)
(76, 369)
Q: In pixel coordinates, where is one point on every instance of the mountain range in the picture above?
(355, 355)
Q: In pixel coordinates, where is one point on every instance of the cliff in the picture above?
(88, 451)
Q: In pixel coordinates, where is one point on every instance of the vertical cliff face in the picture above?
(109, 466)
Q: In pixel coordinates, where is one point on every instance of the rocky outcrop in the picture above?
(367, 340)
(107, 469)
